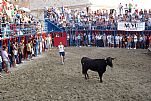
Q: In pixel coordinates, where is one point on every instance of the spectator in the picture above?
(120, 8)
(40, 45)
(0, 63)
(141, 42)
(126, 9)
(129, 40)
(23, 49)
(6, 59)
(109, 40)
(120, 40)
(29, 50)
(36, 46)
(79, 39)
(89, 39)
(117, 40)
(100, 40)
(20, 53)
(124, 41)
(104, 40)
(147, 42)
(112, 40)
(150, 41)
(130, 7)
(135, 41)
(15, 53)
(144, 40)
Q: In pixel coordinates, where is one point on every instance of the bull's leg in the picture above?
(87, 76)
(84, 71)
(100, 75)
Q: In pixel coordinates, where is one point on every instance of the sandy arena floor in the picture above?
(45, 79)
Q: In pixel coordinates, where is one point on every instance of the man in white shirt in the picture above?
(117, 40)
(109, 40)
(61, 51)
(135, 40)
(120, 38)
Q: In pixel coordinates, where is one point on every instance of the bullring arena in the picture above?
(45, 79)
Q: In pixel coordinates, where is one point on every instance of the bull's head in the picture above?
(109, 61)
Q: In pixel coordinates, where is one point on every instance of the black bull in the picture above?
(98, 65)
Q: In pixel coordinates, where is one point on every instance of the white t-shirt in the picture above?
(48, 39)
(99, 37)
(121, 37)
(141, 39)
(15, 52)
(109, 38)
(135, 38)
(1, 59)
(61, 48)
(5, 56)
(117, 39)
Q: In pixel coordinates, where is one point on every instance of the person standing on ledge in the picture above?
(61, 52)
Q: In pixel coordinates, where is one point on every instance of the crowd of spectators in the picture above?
(101, 19)
(130, 41)
(15, 21)
(19, 52)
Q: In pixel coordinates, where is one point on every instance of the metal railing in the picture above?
(11, 29)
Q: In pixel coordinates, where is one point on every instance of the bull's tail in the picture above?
(84, 69)
(83, 60)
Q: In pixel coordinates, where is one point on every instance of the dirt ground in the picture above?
(45, 79)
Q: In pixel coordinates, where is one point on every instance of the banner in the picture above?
(131, 26)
